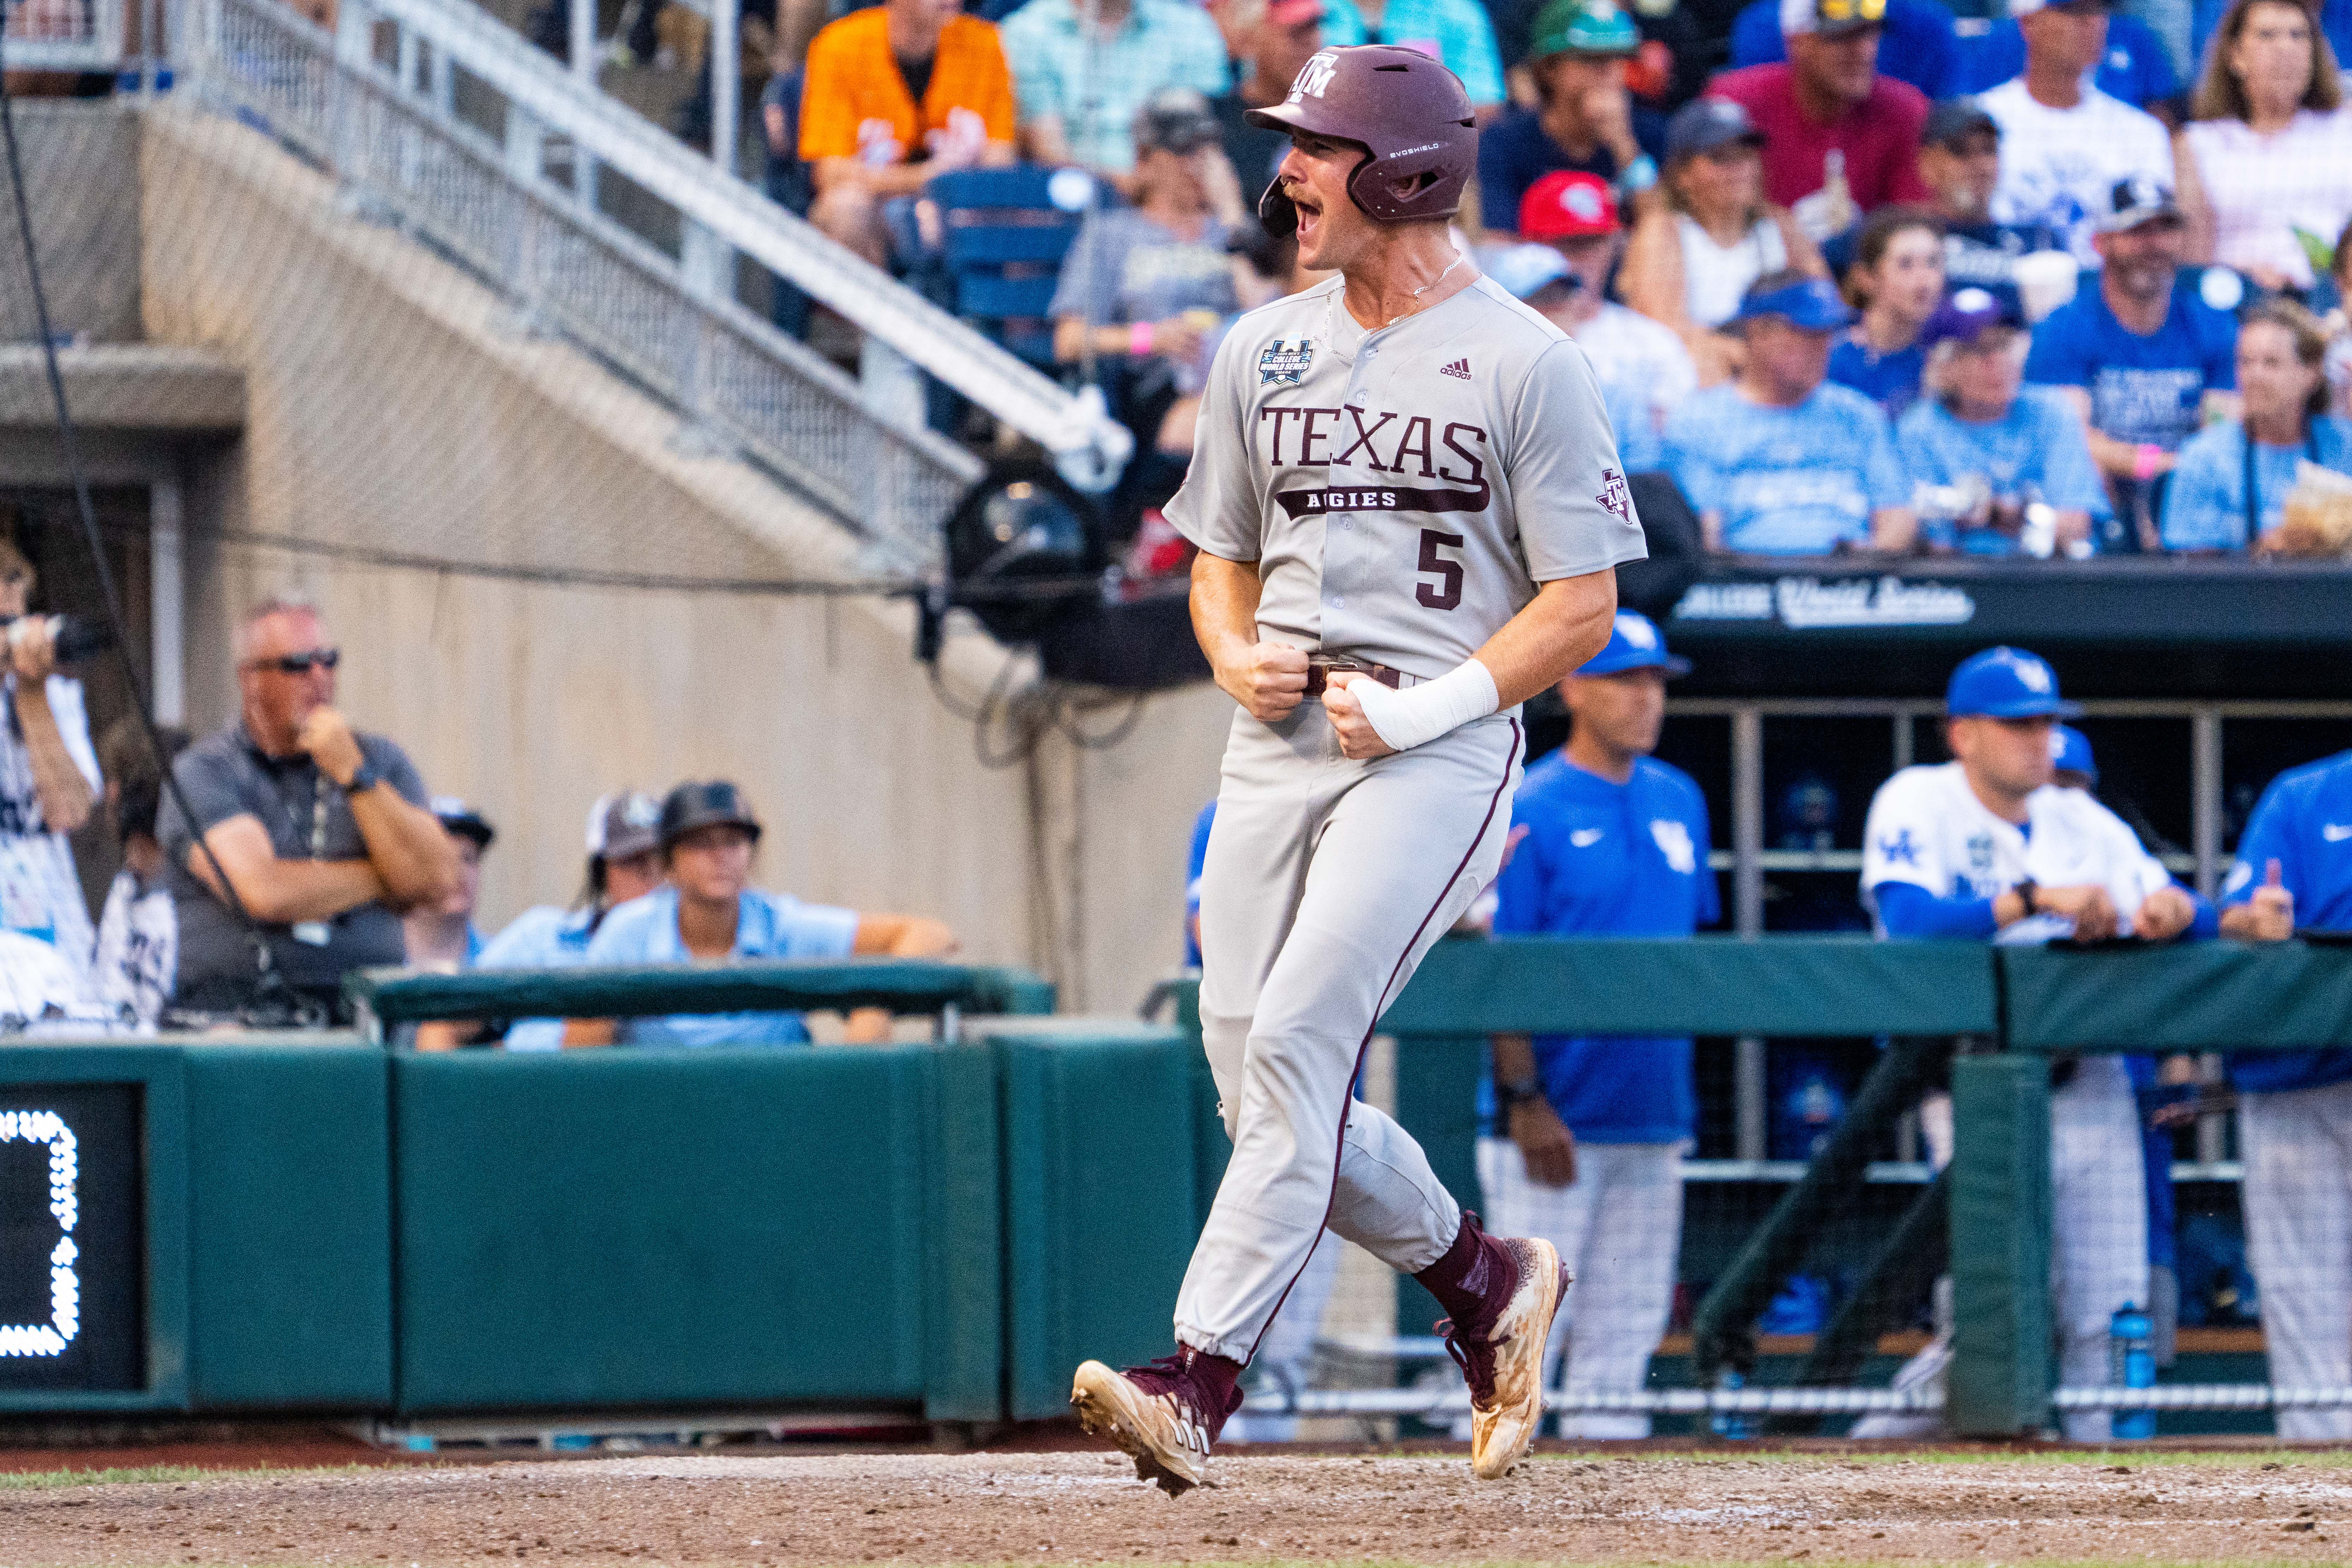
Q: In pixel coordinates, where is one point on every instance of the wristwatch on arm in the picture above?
(2025, 892)
(1508, 1096)
(364, 776)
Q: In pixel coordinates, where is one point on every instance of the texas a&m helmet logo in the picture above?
(1314, 76)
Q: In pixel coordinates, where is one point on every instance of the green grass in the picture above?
(2218, 1459)
(148, 1474)
(1972, 1561)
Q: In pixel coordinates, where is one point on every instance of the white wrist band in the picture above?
(1422, 714)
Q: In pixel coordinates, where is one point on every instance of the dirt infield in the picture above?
(1073, 1508)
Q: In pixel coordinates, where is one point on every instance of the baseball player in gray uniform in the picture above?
(1409, 508)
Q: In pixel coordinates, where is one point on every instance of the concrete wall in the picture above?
(81, 178)
(392, 408)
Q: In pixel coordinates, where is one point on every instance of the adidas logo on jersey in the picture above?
(1459, 370)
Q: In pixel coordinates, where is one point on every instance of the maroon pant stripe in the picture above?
(1348, 1091)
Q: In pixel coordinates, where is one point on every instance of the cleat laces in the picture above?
(1475, 1354)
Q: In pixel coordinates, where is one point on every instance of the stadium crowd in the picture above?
(2065, 282)
(2083, 262)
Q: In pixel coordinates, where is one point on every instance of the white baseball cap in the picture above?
(624, 823)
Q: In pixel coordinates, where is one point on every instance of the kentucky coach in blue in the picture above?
(2295, 1108)
(1585, 1137)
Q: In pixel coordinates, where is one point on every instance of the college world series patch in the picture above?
(1284, 362)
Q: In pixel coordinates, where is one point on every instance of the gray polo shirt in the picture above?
(307, 818)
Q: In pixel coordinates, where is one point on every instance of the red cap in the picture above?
(1567, 204)
(1290, 13)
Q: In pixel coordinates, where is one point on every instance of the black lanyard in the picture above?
(2253, 504)
(318, 835)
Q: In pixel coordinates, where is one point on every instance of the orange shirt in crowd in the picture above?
(854, 104)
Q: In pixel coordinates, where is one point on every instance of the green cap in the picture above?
(1582, 27)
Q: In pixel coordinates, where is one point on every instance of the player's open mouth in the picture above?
(1309, 213)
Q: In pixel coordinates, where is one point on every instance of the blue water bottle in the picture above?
(1733, 1423)
(2131, 1363)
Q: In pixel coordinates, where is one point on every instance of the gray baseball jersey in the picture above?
(1404, 490)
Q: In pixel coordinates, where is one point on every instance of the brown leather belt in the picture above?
(1320, 666)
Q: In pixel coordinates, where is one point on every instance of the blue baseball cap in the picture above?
(1969, 314)
(1813, 306)
(1703, 124)
(1635, 643)
(2069, 752)
(2005, 683)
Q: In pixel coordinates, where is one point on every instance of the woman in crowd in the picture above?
(708, 911)
(1151, 283)
(2268, 159)
(1896, 281)
(2231, 487)
(49, 781)
(623, 863)
(1693, 260)
(1996, 468)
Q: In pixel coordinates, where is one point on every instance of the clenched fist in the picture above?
(1358, 740)
(327, 736)
(1267, 678)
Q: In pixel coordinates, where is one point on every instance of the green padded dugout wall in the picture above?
(2000, 1381)
(289, 1182)
(680, 1227)
(2193, 996)
(965, 1269)
(1785, 985)
(1099, 1205)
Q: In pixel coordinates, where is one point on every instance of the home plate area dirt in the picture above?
(1089, 1509)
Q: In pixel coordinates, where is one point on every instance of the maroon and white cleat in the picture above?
(1502, 1362)
(1165, 1415)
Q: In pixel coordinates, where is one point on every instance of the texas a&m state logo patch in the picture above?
(1284, 362)
(1615, 496)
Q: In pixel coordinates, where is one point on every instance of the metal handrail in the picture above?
(43, 36)
(1071, 426)
(403, 156)
(386, 124)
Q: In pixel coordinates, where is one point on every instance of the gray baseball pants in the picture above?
(2298, 1198)
(1325, 882)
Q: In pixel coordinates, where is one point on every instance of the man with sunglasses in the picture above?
(1845, 137)
(324, 833)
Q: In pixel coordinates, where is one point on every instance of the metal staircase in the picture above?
(435, 117)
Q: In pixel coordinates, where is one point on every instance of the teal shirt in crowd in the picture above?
(2205, 504)
(1095, 91)
(1460, 28)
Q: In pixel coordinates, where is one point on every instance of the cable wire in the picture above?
(271, 982)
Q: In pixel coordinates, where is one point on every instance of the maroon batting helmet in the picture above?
(1409, 114)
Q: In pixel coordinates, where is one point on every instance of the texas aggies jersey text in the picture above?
(1407, 488)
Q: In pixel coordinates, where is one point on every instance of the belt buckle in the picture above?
(1320, 666)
